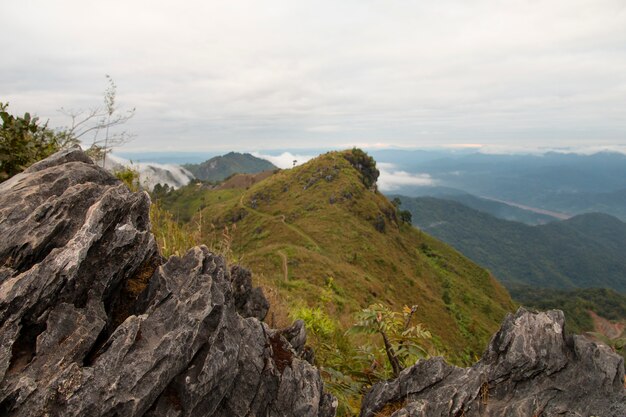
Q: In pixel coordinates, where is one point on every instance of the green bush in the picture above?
(365, 164)
(23, 141)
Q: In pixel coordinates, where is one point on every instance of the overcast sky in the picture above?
(253, 75)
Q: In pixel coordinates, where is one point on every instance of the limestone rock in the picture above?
(77, 338)
(531, 368)
(250, 302)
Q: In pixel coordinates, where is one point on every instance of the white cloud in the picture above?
(285, 159)
(152, 173)
(391, 179)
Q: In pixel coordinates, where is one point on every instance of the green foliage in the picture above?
(160, 191)
(365, 164)
(584, 251)
(24, 141)
(128, 176)
(317, 321)
(405, 216)
(403, 341)
(576, 304)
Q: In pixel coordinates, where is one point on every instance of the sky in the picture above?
(252, 75)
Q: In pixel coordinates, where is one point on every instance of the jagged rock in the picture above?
(250, 302)
(77, 338)
(531, 368)
(295, 335)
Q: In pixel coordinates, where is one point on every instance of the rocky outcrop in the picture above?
(92, 325)
(531, 368)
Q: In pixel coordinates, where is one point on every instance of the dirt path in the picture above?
(606, 327)
(281, 218)
(283, 257)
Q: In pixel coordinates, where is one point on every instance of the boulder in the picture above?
(92, 323)
(531, 367)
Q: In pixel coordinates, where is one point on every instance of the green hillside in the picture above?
(324, 244)
(582, 252)
(576, 304)
(320, 236)
(221, 167)
(495, 208)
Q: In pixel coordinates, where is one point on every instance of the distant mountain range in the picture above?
(562, 182)
(568, 183)
(497, 209)
(581, 252)
(221, 167)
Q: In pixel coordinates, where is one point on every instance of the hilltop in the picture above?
(220, 167)
(582, 252)
(320, 237)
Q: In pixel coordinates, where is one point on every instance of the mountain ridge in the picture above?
(584, 251)
(322, 223)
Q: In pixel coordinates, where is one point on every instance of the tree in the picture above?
(406, 216)
(23, 141)
(96, 120)
(365, 164)
(401, 340)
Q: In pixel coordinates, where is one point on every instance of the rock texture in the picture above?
(531, 368)
(92, 325)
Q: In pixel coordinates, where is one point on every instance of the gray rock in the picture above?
(77, 340)
(250, 302)
(531, 368)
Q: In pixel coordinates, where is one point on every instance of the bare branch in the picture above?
(100, 119)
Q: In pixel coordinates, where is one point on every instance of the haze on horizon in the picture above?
(247, 75)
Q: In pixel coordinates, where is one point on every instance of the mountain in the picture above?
(221, 167)
(581, 252)
(497, 209)
(563, 182)
(320, 237)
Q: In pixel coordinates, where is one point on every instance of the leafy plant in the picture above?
(23, 141)
(401, 340)
(128, 176)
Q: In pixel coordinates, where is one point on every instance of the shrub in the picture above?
(365, 164)
(23, 141)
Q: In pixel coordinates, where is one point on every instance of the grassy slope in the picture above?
(301, 227)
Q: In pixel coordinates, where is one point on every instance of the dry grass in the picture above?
(390, 408)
